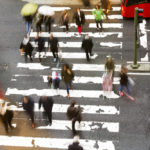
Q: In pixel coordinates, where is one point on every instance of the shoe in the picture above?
(121, 93)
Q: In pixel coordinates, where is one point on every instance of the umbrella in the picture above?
(29, 9)
(46, 11)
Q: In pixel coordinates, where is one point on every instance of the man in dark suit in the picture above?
(47, 103)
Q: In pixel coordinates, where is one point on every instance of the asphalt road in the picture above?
(133, 116)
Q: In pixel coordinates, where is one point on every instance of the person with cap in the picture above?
(75, 145)
(87, 45)
(47, 103)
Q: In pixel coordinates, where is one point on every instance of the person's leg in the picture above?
(79, 29)
(5, 122)
(31, 114)
(100, 22)
(67, 88)
(10, 117)
(87, 56)
(49, 115)
(97, 24)
(73, 125)
(27, 27)
(128, 89)
(25, 57)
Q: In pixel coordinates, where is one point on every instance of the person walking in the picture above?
(28, 106)
(87, 45)
(53, 46)
(74, 114)
(106, 6)
(47, 103)
(75, 145)
(124, 82)
(64, 20)
(98, 14)
(67, 76)
(28, 22)
(40, 42)
(79, 17)
(38, 20)
(48, 22)
(6, 115)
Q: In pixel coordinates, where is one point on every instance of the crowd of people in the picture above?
(74, 113)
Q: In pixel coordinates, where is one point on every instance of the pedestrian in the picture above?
(48, 20)
(6, 116)
(106, 6)
(40, 42)
(28, 51)
(54, 80)
(64, 20)
(53, 46)
(28, 106)
(74, 114)
(67, 76)
(75, 145)
(38, 20)
(87, 45)
(79, 17)
(28, 22)
(98, 14)
(124, 82)
(47, 103)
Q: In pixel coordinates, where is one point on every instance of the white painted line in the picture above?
(139, 73)
(79, 67)
(109, 17)
(70, 25)
(63, 93)
(83, 126)
(107, 25)
(139, 62)
(32, 66)
(113, 8)
(111, 44)
(65, 55)
(53, 142)
(96, 80)
(116, 8)
(60, 8)
(62, 108)
(75, 34)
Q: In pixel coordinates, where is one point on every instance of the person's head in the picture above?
(76, 139)
(97, 7)
(86, 36)
(78, 9)
(44, 98)
(26, 99)
(65, 66)
(124, 69)
(51, 36)
(72, 103)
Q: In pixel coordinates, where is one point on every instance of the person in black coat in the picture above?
(74, 114)
(28, 106)
(79, 18)
(47, 103)
(87, 45)
(75, 145)
(40, 41)
(28, 51)
(53, 46)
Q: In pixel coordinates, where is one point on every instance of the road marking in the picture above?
(82, 79)
(78, 67)
(139, 73)
(53, 142)
(107, 25)
(63, 93)
(65, 55)
(113, 8)
(76, 34)
(83, 126)
(32, 66)
(62, 108)
(109, 17)
(111, 44)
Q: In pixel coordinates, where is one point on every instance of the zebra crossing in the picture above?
(99, 129)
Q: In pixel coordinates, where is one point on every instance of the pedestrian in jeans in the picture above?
(67, 76)
(124, 80)
(98, 14)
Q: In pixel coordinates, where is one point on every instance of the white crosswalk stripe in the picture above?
(84, 95)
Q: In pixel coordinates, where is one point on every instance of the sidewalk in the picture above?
(144, 67)
(68, 2)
